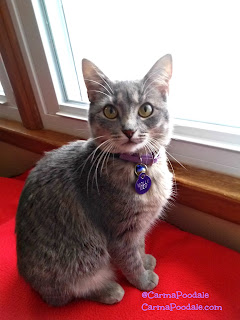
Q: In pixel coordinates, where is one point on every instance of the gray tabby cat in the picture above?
(79, 215)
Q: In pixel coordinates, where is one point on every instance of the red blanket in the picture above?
(195, 274)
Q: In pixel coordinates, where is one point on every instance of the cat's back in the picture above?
(49, 186)
(51, 223)
(54, 168)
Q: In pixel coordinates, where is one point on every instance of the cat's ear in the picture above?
(96, 81)
(160, 74)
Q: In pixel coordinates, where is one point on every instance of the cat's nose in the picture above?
(128, 133)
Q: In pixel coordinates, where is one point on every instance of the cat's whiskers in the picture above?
(146, 149)
(104, 81)
(149, 149)
(174, 179)
(106, 158)
(92, 154)
(92, 139)
(94, 151)
(99, 157)
(155, 148)
(157, 145)
(96, 158)
(175, 183)
(95, 172)
(102, 156)
(176, 160)
(84, 163)
(98, 84)
(89, 173)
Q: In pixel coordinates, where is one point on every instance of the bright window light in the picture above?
(1, 90)
(125, 38)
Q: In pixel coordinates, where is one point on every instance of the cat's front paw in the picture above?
(148, 281)
(149, 262)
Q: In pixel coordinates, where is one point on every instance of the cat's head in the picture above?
(129, 116)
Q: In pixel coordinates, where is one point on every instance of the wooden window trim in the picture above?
(17, 71)
(214, 193)
(208, 191)
(38, 141)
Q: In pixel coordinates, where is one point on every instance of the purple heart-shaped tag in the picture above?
(143, 184)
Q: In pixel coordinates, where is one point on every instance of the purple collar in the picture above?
(147, 159)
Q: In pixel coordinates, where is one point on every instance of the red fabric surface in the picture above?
(186, 263)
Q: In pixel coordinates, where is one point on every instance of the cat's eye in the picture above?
(110, 112)
(145, 110)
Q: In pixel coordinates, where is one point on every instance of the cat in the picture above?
(80, 215)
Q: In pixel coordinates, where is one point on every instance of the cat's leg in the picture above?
(99, 287)
(55, 297)
(128, 259)
(149, 262)
(110, 293)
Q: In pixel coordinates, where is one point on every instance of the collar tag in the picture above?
(143, 184)
(140, 168)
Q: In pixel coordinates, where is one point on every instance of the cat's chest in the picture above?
(131, 212)
(121, 209)
(123, 181)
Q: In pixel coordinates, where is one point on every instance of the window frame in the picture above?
(204, 145)
(7, 100)
(16, 70)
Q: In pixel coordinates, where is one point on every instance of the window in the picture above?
(206, 72)
(2, 94)
(7, 101)
(124, 39)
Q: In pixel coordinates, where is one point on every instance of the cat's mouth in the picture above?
(131, 146)
(123, 144)
(130, 142)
